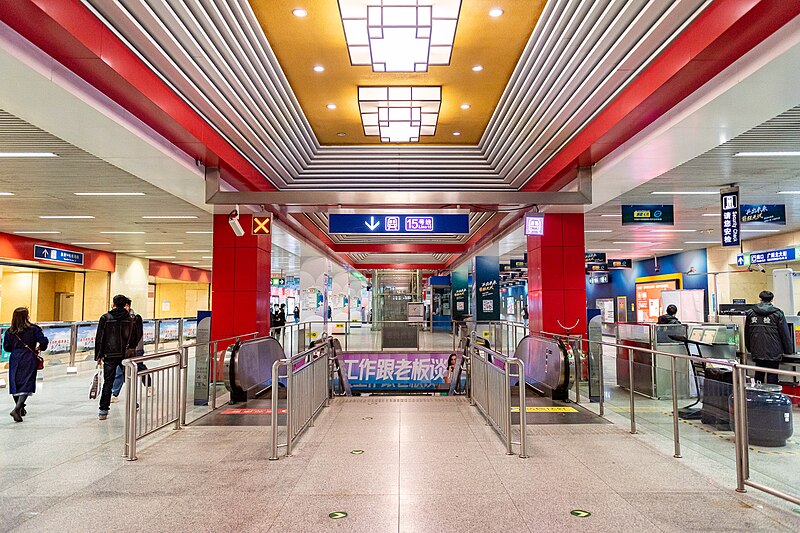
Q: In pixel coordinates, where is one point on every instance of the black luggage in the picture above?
(717, 388)
(769, 415)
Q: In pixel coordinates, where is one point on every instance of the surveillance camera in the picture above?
(756, 268)
(233, 220)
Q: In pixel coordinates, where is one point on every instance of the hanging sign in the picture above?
(398, 223)
(57, 255)
(648, 215)
(597, 267)
(261, 224)
(620, 263)
(594, 257)
(518, 263)
(768, 256)
(730, 220)
(764, 214)
(534, 225)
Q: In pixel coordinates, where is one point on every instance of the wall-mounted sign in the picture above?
(620, 263)
(594, 257)
(730, 220)
(57, 255)
(596, 268)
(398, 223)
(764, 214)
(648, 215)
(262, 224)
(534, 225)
(768, 256)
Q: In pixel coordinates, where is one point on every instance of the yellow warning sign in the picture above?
(546, 410)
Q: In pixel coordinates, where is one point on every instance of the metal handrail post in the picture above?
(737, 435)
(131, 403)
(180, 332)
(185, 382)
(630, 388)
(274, 415)
(289, 407)
(507, 417)
(675, 430)
(523, 410)
(181, 378)
(157, 339)
(578, 373)
(602, 379)
(213, 356)
(744, 437)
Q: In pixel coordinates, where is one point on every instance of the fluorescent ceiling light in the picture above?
(6, 194)
(606, 249)
(36, 232)
(673, 230)
(299, 12)
(27, 154)
(190, 262)
(159, 257)
(108, 193)
(67, 216)
(597, 231)
(667, 249)
(129, 251)
(788, 192)
(685, 193)
(788, 153)
(477, 68)
(122, 232)
(169, 216)
(207, 257)
(702, 242)
(760, 230)
(616, 216)
(632, 242)
(193, 251)
(405, 36)
(495, 12)
(88, 243)
(199, 232)
(203, 266)
(319, 68)
(399, 114)
(712, 214)
(163, 242)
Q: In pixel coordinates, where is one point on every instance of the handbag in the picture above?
(39, 358)
(94, 388)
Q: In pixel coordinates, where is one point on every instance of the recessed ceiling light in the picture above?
(108, 193)
(169, 216)
(465, 106)
(477, 68)
(712, 215)
(27, 154)
(597, 231)
(88, 243)
(456, 133)
(36, 232)
(299, 12)
(199, 232)
(685, 193)
(331, 106)
(701, 242)
(667, 249)
(122, 232)
(67, 216)
(341, 134)
(495, 12)
(761, 231)
(163, 242)
(674, 230)
(319, 68)
(159, 257)
(616, 216)
(632, 242)
(767, 154)
(129, 251)
(6, 194)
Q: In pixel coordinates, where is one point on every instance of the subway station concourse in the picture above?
(400, 265)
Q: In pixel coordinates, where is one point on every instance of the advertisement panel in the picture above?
(149, 327)
(648, 299)
(487, 288)
(168, 330)
(395, 370)
(460, 294)
(763, 214)
(648, 215)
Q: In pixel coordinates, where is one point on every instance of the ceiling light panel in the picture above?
(399, 114)
(399, 35)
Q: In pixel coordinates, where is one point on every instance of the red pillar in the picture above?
(240, 282)
(557, 275)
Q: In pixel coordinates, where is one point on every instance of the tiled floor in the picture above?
(429, 464)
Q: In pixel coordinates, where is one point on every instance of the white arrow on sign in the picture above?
(46, 253)
(372, 224)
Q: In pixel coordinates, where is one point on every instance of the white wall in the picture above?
(131, 278)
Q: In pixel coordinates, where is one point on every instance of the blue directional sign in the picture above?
(769, 256)
(57, 255)
(397, 223)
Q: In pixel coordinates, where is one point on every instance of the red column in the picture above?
(240, 280)
(557, 275)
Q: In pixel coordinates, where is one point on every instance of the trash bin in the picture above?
(769, 415)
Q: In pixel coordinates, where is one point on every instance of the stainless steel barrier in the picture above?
(307, 392)
(490, 392)
(154, 399)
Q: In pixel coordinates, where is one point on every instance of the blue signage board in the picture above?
(651, 215)
(57, 255)
(397, 223)
(764, 214)
(731, 219)
(768, 256)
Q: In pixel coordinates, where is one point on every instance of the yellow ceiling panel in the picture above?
(318, 39)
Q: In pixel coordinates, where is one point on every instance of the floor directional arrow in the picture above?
(580, 514)
(337, 515)
(372, 224)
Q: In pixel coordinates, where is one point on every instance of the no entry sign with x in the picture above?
(262, 225)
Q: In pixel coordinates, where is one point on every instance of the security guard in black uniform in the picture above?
(766, 336)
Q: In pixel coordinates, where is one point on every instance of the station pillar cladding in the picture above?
(557, 276)
(240, 283)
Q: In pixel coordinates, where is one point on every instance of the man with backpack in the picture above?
(116, 339)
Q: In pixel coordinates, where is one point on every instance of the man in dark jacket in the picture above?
(766, 336)
(117, 333)
(670, 317)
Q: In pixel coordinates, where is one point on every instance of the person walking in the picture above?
(296, 314)
(23, 340)
(119, 380)
(766, 336)
(116, 339)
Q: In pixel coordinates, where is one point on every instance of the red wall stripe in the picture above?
(17, 247)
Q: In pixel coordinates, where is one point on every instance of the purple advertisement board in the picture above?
(395, 370)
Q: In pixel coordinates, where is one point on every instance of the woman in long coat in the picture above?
(24, 341)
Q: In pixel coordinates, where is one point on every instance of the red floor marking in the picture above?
(252, 412)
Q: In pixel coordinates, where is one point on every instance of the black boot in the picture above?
(15, 414)
(21, 399)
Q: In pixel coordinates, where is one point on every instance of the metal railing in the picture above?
(490, 392)
(307, 392)
(155, 397)
(738, 414)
